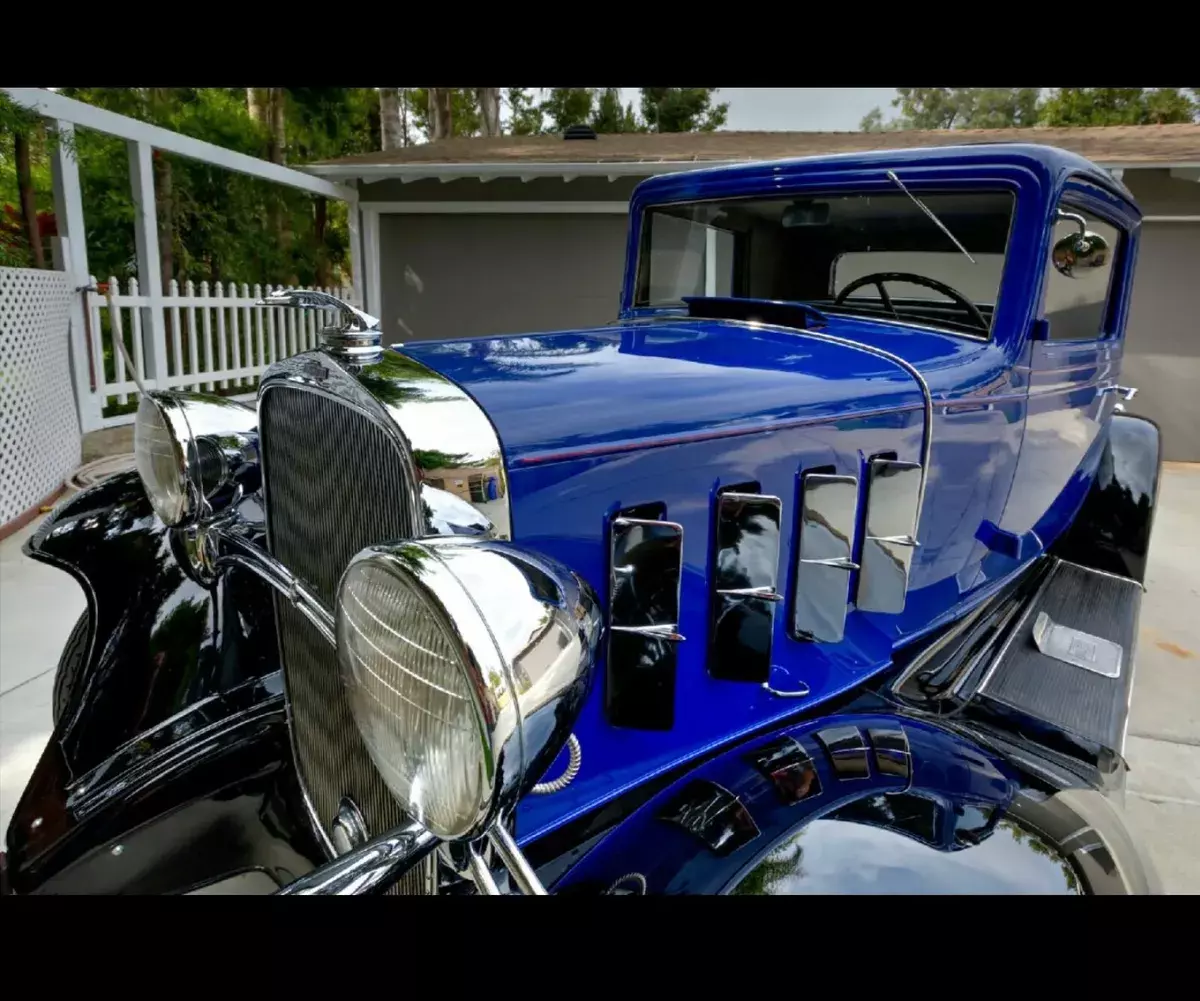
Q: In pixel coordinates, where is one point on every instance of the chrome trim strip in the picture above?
(616, 448)
(373, 868)
(767, 593)
(1034, 601)
(515, 861)
(259, 562)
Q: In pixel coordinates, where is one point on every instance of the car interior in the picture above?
(876, 255)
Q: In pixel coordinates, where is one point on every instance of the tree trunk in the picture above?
(256, 104)
(278, 147)
(441, 115)
(489, 109)
(320, 218)
(281, 219)
(404, 116)
(390, 126)
(164, 196)
(28, 202)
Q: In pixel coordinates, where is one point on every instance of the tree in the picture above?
(489, 110)
(1021, 107)
(1068, 106)
(682, 109)
(525, 117)
(567, 106)
(609, 116)
(958, 108)
(391, 130)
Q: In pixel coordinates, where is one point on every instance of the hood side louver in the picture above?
(745, 558)
(893, 492)
(645, 567)
(828, 515)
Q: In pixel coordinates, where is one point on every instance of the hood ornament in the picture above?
(356, 337)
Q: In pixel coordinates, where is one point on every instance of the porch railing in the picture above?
(216, 341)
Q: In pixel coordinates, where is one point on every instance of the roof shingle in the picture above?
(1115, 144)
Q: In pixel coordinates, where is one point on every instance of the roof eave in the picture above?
(368, 172)
(527, 171)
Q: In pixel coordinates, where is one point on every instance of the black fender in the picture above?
(158, 657)
(1112, 530)
(155, 639)
(865, 802)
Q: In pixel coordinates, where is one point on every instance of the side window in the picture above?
(687, 258)
(1079, 307)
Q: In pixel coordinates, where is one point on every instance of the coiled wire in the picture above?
(567, 777)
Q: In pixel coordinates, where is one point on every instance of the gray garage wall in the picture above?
(1162, 339)
(470, 275)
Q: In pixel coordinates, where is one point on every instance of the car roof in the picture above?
(1048, 160)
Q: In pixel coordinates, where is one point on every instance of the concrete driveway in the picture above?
(39, 605)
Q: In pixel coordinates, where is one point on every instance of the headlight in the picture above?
(189, 448)
(465, 663)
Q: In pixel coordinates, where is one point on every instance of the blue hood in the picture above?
(578, 393)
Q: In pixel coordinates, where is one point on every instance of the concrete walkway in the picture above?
(39, 605)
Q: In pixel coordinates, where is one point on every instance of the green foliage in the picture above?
(224, 225)
(567, 106)
(1021, 107)
(1120, 106)
(464, 110)
(525, 117)
(609, 116)
(682, 109)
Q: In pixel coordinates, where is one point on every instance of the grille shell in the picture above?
(335, 481)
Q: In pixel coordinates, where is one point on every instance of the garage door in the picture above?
(472, 275)
(1162, 350)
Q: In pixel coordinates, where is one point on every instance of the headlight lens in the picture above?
(160, 462)
(411, 695)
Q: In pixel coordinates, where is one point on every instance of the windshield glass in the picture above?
(815, 248)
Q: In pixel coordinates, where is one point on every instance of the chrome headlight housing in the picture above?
(193, 453)
(465, 662)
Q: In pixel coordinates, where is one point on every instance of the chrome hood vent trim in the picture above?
(893, 499)
(828, 516)
(743, 575)
(645, 571)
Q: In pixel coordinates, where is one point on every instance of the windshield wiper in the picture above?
(929, 212)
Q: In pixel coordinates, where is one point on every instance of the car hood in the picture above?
(643, 384)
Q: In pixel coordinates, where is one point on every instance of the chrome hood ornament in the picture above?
(356, 337)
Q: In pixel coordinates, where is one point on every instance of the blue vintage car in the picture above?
(818, 569)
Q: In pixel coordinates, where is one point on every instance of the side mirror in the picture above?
(1080, 251)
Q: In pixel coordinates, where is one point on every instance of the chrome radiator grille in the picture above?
(335, 482)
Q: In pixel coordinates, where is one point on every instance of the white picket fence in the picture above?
(217, 340)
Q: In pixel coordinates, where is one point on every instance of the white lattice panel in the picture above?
(39, 429)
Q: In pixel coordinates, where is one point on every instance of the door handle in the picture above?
(1127, 392)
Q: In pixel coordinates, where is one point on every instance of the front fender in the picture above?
(171, 684)
(154, 640)
(1112, 530)
(864, 803)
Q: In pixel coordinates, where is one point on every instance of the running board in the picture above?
(1068, 664)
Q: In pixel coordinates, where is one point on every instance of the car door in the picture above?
(1074, 363)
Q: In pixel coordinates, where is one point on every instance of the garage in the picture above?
(1162, 341)
(466, 275)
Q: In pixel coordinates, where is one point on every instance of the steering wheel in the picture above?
(879, 277)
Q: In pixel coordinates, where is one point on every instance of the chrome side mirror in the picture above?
(1080, 251)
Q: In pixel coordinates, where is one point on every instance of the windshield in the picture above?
(815, 248)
